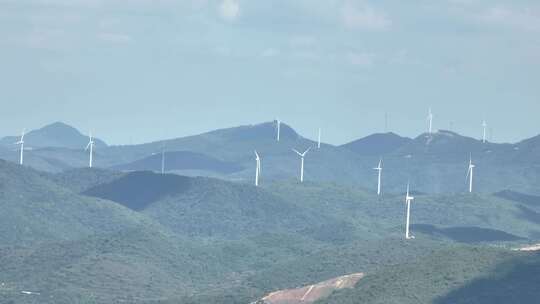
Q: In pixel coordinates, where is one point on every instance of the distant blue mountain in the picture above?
(377, 144)
(182, 160)
(434, 163)
(55, 135)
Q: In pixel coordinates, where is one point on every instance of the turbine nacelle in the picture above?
(408, 197)
(90, 142)
(21, 141)
(379, 166)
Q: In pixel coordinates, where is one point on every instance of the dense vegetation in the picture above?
(458, 275)
(142, 237)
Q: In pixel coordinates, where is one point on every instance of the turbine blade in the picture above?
(300, 154)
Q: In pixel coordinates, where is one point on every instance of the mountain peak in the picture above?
(57, 135)
(58, 129)
(377, 144)
(445, 137)
(261, 130)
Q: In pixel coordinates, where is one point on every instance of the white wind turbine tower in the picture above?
(162, 154)
(278, 129)
(408, 200)
(257, 168)
(163, 161)
(470, 174)
(21, 143)
(430, 121)
(484, 125)
(302, 155)
(90, 147)
(319, 139)
(379, 169)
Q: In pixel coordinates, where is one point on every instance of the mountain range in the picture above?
(433, 163)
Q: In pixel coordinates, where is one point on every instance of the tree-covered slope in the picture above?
(36, 209)
(455, 275)
(382, 216)
(211, 207)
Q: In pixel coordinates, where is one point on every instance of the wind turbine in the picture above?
(470, 174)
(278, 127)
(379, 169)
(430, 121)
(302, 155)
(257, 168)
(162, 154)
(408, 200)
(319, 139)
(21, 143)
(162, 161)
(91, 147)
(484, 125)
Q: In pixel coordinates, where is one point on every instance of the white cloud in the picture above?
(229, 10)
(524, 19)
(361, 59)
(361, 16)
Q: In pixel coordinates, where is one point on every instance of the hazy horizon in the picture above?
(313, 138)
(136, 71)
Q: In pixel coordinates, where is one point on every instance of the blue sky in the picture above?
(138, 70)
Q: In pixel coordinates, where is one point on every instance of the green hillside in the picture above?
(457, 275)
(36, 209)
(82, 179)
(211, 207)
(385, 216)
(98, 236)
(134, 266)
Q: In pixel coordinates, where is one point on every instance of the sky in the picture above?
(133, 71)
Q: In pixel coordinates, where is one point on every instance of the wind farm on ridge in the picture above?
(302, 155)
